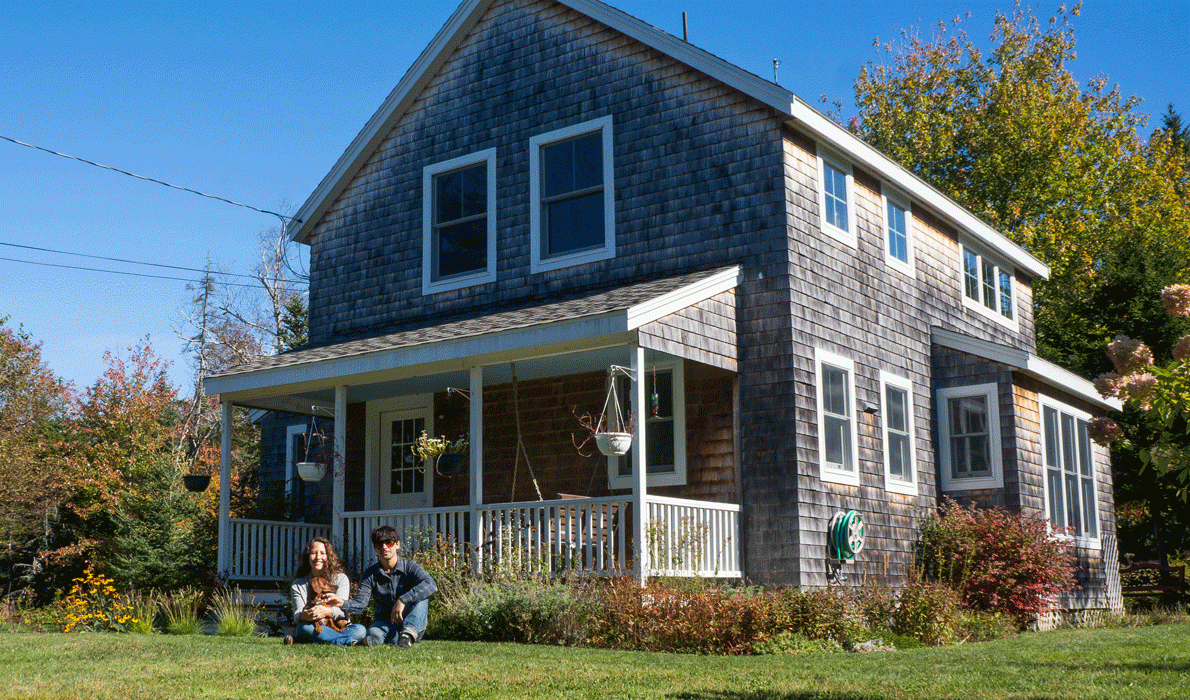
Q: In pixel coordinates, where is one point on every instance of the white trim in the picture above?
(908, 488)
(672, 302)
(801, 115)
(1029, 364)
(828, 473)
(1078, 415)
(467, 279)
(978, 305)
(995, 460)
(537, 261)
(847, 237)
(907, 266)
(290, 432)
(677, 477)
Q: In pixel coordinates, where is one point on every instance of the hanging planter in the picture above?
(448, 457)
(612, 431)
(613, 444)
(311, 471)
(196, 483)
(451, 463)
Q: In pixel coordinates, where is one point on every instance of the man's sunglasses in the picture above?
(386, 543)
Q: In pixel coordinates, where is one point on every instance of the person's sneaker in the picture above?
(288, 639)
(405, 641)
(367, 641)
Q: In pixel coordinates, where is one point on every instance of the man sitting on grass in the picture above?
(402, 589)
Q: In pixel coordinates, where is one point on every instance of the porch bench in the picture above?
(1148, 579)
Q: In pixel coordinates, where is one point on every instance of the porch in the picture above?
(513, 384)
(588, 536)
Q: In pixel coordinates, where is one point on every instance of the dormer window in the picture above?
(459, 222)
(572, 217)
(987, 286)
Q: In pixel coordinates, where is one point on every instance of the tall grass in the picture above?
(235, 615)
(181, 611)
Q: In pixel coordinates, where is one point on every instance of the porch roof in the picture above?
(574, 323)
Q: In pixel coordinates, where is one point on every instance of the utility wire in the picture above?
(148, 179)
(120, 272)
(133, 262)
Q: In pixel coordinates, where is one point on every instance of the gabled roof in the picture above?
(796, 111)
(607, 313)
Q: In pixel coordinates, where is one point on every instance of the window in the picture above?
(835, 200)
(572, 213)
(987, 287)
(1070, 493)
(898, 251)
(459, 222)
(900, 472)
(837, 444)
(970, 438)
(665, 427)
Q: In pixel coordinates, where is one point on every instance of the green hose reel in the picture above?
(846, 535)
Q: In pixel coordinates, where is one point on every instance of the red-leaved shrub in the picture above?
(996, 560)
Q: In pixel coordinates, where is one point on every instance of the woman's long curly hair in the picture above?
(333, 567)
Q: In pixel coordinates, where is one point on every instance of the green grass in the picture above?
(1147, 663)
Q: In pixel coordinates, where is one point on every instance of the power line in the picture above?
(149, 179)
(121, 272)
(123, 260)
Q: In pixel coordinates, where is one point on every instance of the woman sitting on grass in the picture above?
(318, 575)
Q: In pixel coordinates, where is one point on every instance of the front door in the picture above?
(404, 480)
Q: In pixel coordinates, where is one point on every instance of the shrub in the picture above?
(235, 616)
(181, 611)
(93, 604)
(980, 626)
(928, 611)
(528, 611)
(145, 609)
(833, 613)
(997, 561)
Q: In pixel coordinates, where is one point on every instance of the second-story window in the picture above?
(898, 244)
(835, 200)
(987, 286)
(459, 222)
(571, 193)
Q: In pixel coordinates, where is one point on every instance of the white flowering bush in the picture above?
(1162, 392)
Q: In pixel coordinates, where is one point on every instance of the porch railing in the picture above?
(264, 550)
(693, 538)
(589, 535)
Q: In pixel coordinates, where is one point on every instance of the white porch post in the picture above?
(476, 500)
(223, 562)
(338, 471)
(639, 460)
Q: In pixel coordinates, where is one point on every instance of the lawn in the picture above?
(1147, 662)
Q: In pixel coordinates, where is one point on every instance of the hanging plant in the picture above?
(612, 431)
(447, 456)
(196, 483)
(315, 460)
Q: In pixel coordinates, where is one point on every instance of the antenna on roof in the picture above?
(775, 64)
(685, 29)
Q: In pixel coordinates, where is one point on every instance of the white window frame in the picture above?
(677, 477)
(891, 483)
(1077, 416)
(978, 305)
(429, 285)
(291, 431)
(848, 236)
(995, 460)
(827, 472)
(906, 266)
(537, 261)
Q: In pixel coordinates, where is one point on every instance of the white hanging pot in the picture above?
(613, 444)
(311, 471)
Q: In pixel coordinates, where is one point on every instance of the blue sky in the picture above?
(254, 101)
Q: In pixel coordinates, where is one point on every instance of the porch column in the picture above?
(476, 422)
(639, 477)
(338, 471)
(223, 561)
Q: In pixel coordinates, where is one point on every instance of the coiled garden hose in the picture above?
(847, 535)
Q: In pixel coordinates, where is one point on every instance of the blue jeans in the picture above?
(329, 635)
(383, 631)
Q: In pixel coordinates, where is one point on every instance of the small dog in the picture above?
(318, 588)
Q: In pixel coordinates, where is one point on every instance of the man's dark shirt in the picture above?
(408, 582)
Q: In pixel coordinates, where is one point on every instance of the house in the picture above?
(555, 190)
